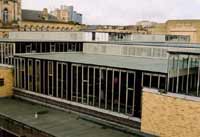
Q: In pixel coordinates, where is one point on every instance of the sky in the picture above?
(123, 12)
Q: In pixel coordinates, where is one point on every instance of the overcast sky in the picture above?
(124, 12)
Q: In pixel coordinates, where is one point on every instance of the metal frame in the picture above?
(31, 62)
(44, 78)
(188, 72)
(29, 46)
(115, 99)
(52, 48)
(50, 75)
(37, 74)
(150, 81)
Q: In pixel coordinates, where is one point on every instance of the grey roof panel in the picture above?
(134, 63)
(35, 15)
(55, 122)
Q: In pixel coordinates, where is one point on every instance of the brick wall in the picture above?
(7, 74)
(170, 115)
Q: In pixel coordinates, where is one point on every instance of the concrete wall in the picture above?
(126, 50)
(170, 115)
(6, 72)
(58, 36)
(147, 38)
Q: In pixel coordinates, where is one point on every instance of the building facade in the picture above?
(104, 79)
(14, 18)
(67, 13)
(179, 27)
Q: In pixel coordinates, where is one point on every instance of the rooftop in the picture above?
(133, 63)
(55, 122)
(35, 15)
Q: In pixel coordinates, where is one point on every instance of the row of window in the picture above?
(6, 53)
(104, 88)
(184, 74)
(183, 62)
(41, 47)
(7, 50)
(156, 81)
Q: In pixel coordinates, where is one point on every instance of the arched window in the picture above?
(5, 16)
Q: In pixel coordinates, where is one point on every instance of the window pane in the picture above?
(109, 90)
(123, 92)
(97, 87)
(146, 81)
(131, 80)
(91, 85)
(116, 91)
(154, 82)
(103, 88)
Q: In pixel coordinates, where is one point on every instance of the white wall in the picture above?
(58, 36)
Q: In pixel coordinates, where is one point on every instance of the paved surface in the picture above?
(55, 122)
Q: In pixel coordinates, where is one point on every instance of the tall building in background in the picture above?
(67, 13)
(178, 27)
(14, 18)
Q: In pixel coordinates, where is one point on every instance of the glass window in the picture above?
(74, 83)
(97, 82)
(123, 92)
(79, 85)
(162, 82)
(50, 66)
(103, 87)
(37, 80)
(116, 91)
(30, 75)
(154, 82)
(146, 80)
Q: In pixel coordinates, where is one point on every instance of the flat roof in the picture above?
(55, 122)
(125, 62)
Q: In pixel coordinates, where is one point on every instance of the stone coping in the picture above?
(174, 95)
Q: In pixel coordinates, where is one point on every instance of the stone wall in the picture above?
(6, 73)
(49, 26)
(170, 115)
(179, 27)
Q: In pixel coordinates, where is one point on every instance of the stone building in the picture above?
(67, 13)
(179, 27)
(14, 18)
(146, 23)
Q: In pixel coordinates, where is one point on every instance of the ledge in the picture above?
(174, 95)
(6, 66)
